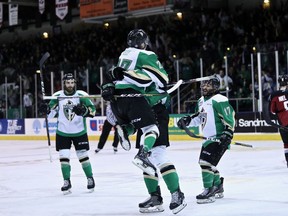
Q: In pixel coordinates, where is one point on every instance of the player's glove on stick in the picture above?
(80, 110)
(226, 138)
(186, 119)
(44, 108)
(108, 91)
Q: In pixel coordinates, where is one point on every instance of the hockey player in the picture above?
(71, 128)
(278, 106)
(166, 168)
(109, 123)
(216, 117)
(145, 74)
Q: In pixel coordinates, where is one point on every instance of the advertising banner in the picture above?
(253, 123)
(94, 8)
(12, 126)
(140, 4)
(173, 128)
(37, 126)
(95, 125)
(120, 6)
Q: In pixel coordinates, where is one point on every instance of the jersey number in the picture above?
(227, 110)
(125, 63)
(285, 104)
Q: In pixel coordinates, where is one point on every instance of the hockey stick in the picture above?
(267, 118)
(41, 65)
(169, 91)
(195, 80)
(191, 134)
(273, 124)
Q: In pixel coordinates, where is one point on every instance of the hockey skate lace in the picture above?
(90, 181)
(66, 183)
(205, 192)
(175, 198)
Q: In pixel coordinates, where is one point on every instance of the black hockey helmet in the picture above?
(137, 38)
(68, 76)
(283, 80)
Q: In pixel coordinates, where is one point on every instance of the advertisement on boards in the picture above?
(12, 126)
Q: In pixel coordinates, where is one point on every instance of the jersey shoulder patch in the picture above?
(81, 93)
(58, 93)
(219, 98)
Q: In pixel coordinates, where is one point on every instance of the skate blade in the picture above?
(124, 142)
(219, 195)
(67, 192)
(125, 145)
(154, 209)
(179, 208)
(205, 201)
(91, 190)
(147, 169)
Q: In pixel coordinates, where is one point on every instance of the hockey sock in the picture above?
(207, 176)
(170, 177)
(151, 182)
(149, 141)
(286, 152)
(86, 166)
(65, 168)
(217, 180)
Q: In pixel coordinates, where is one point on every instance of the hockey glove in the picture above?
(44, 108)
(80, 110)
(186, 119)
(108, 91)
(226, 138)
(117, 73)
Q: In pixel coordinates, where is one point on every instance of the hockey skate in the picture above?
(141, 160)
(123, 138)
(153, 203)
(97, 150)
(66, 187)
(219, 192)
(115, 150)
(207, 196)
(90, 184)
(177, 202)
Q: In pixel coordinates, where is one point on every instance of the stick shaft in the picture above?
(169, 91)
(191, 134)
(41, 64)
(195, 80)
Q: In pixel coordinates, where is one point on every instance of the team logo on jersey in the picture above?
(67, 109)
(203, 118)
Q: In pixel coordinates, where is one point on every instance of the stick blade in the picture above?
(44, 58)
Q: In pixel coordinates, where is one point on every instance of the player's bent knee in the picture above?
(151, 129)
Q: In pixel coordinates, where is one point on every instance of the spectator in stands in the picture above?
(28, 102)
(225, 82)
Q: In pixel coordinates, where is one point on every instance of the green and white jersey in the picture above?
(144, 73)
(68, 123)
(216, 114)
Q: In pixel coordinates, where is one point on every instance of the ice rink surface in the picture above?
(256, 181)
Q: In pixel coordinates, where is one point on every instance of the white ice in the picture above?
(256, 181)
